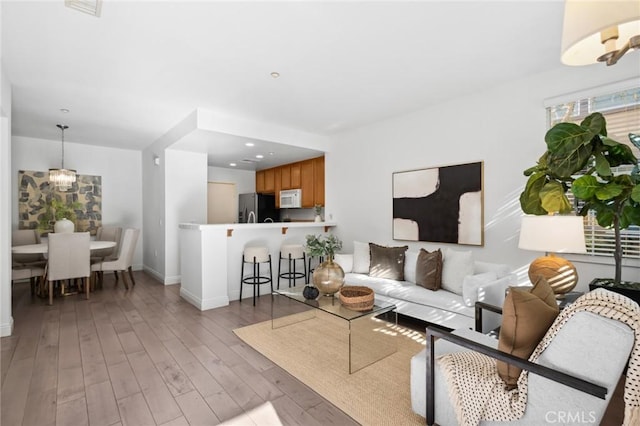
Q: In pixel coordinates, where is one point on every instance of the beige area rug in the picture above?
(316, 352)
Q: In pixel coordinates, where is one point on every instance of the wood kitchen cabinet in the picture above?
(295, 176)
(285, 176)
(318, 180)
(278, 184)
(260, 181)
(269, 181)
(306, 183)
(307, 175)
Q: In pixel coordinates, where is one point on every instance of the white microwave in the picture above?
(291, 199)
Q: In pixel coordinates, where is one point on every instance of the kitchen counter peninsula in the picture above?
(211, 256)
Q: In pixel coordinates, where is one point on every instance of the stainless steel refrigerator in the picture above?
(263, 207)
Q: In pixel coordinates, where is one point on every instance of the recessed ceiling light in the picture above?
(259, 156)
(275, 74)
(232, 164)
(249, 144)
(64, 110)
(272, 153)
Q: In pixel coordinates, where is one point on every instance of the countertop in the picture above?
(245, 226)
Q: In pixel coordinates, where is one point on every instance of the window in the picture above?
(622, 112)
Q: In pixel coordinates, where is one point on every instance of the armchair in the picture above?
(572, 373)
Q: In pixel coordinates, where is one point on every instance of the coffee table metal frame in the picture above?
(371, 338)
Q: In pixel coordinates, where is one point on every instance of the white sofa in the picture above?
(487, 283)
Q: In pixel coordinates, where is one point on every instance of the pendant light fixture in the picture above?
(62, 178)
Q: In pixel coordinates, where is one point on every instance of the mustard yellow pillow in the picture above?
(526, 317)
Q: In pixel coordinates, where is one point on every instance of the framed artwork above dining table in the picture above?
(35, 195)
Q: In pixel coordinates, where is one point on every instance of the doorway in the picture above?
(222, 202)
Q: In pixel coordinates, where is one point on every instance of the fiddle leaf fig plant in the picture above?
(585, 149)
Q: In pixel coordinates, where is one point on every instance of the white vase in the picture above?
(63, 225)
(318, 218)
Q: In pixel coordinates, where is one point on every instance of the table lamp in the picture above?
(553, 234)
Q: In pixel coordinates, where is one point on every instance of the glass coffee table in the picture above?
(371, 334)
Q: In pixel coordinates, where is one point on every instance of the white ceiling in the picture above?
(130, 75)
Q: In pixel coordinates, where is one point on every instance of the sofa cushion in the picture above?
(429, 269)
(409, 292)
(387, 262)
(526, 317)
(472, 283)
(361, 257)
(501, 269)
(410, 260)
(345, 261)
(456, 265)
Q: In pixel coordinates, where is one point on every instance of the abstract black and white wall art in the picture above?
(440, 204)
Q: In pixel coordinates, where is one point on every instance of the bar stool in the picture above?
(292, 253)
(255, 256)
(310, 269)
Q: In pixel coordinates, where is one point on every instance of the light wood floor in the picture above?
(142, 357)
(146, 357)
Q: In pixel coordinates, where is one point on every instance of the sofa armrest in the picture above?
(434, 332)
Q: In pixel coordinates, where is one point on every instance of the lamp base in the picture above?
(561, 275)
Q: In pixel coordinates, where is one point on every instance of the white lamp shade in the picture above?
(553, 234)
(583, 21)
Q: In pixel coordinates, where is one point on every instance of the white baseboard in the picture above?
(157, 275)
(201, 304)
(6, 329)
(164, 280)
(172, 280)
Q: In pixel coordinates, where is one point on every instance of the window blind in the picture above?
(622, 113)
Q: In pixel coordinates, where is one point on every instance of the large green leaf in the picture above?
(595, 123)
(530, 198)
(563, 165)
(618, 153)
(630, 216)
(553, 198)
(585, 187)
(608, 191)
(564, 138)
(635, 194)
(602, 165)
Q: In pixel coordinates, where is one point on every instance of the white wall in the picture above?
(503, 126)
(245, 180)
(119, 168)
(6, 319)
(185, 202)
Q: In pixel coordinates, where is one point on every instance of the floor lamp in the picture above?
(553, 234)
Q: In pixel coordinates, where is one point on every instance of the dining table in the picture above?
(43, 248)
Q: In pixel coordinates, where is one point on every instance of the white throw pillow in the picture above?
(361, 257)
(345, 261)
(455, 266)
(471, 284)
(410, 261)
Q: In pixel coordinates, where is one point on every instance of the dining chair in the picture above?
(107, 233)
(69, 257)
(21, 237)
(32, 273)
(125, 258)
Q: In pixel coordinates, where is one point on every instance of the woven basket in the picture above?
(357, 298)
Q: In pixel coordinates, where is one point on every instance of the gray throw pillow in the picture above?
(387, 262)
(429, 269)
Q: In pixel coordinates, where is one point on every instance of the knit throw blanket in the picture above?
(477, 392)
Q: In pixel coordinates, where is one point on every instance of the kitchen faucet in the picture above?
(251, 214)
(268, 220)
